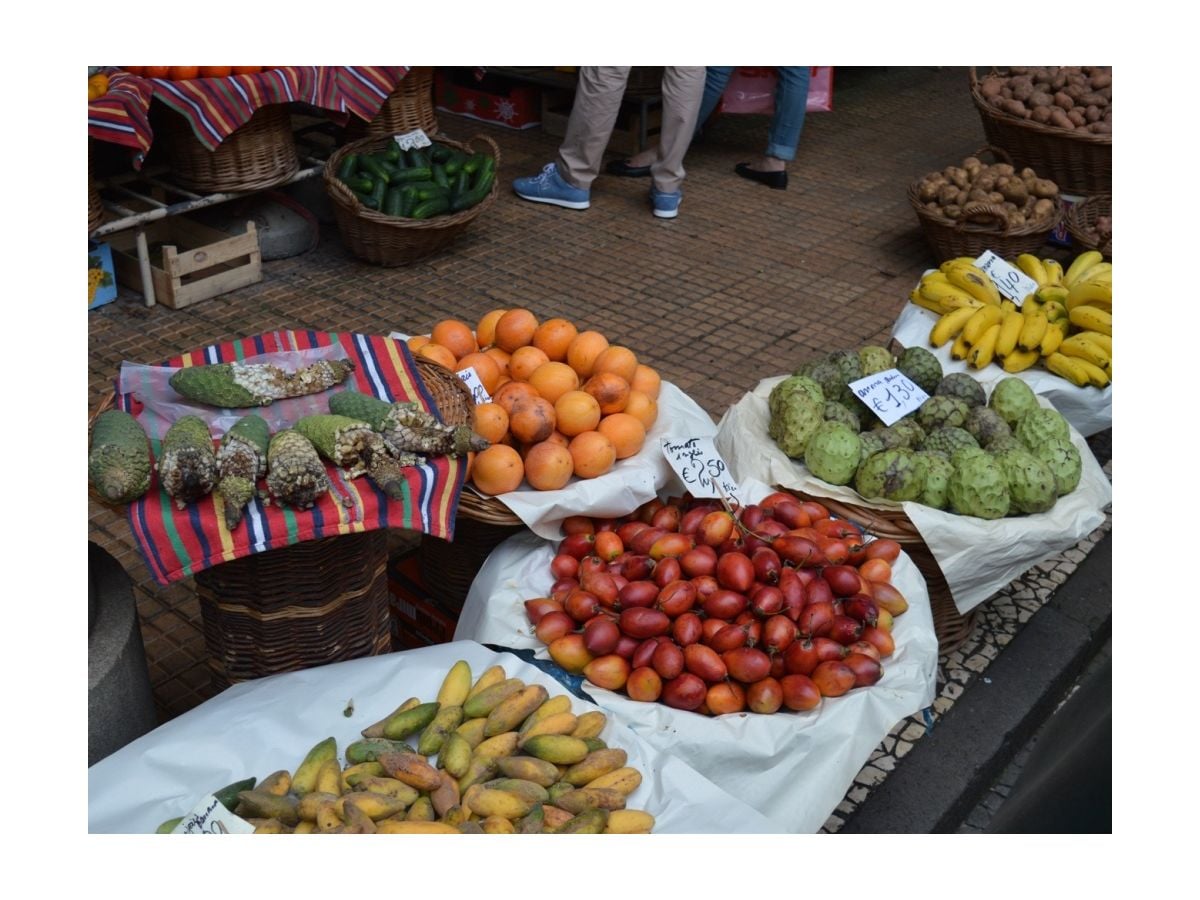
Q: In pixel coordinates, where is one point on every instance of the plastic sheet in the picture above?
(792, 767)
(260, 727)
(977, 556)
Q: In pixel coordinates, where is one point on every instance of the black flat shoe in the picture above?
(777, 180)
(621, 167)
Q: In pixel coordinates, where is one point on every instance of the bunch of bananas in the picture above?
(1066, 324)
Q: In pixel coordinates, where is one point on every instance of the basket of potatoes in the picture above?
(977, 206)
(1089, 223)
(1055, 119)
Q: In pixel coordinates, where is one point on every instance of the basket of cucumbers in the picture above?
(394, 207)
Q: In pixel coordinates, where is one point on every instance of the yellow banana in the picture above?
(1032, 266)
(1056, 332)
(1020, 360)
(1096, 376)
(1101, 272)
(949, 325)
(1054, 271)
(1055, 311)
(1089, 293)
(981, 320)
(1053, 292)
(1081, 348)
(1068, 368)
(975, 282)
(1081, 264)
(1089, 318)
(1103, 341)
(1007, 305)
(1010, 329)
(931, 305)
(942, 293)
(957, 261)
(1032, 331)
(934, 277)
(982, 352)
(961, 348)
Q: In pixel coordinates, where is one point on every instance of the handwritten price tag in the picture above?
(211, 817)
(470, 378)
(412, 139)
(701, 469)
(1009, 280)
(891, 394)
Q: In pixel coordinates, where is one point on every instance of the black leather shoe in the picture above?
(777, 180)
(621, 167)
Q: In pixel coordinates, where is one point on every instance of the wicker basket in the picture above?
(1081, 220)
(260, 154)
(390, 240)
(951, 627)
(304, 605)
(95, 205)
(1079, 162)
(407, 108)
(982, 226)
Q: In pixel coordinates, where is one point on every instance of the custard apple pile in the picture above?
(962, 451)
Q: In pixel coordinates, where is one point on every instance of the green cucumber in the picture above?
(439, 175)
(431, 191)
(360, 184)
(419, 159)
(375, 168)
(408, 201)
(377, 194)
(392, 201)
(439, 153)
(471, 166)
(485, 172)
(467, 199)
(348, 166)
(432, 207)
(393, 153)
(462, 184)
(408, 176)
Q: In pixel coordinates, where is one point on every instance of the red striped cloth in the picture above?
(177, 543)
(216, 107)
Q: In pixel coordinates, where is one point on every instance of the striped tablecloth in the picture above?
(177, 543)
(216, 107)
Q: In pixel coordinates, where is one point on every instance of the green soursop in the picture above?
(875, 359)
(986, 425)
(828, 375)
(840, 412)
(962, 386)
(1012, 398)
(782, 392)
(890, 474)
(948, 439)
(940, 412)
(911, 434)
(870, 443)
(795, 415)
(832, 453)
(849, 365)
(1064, 462)
(1040, 425)
(937, 479)
(1003, 442)
(922, 367)
(978, 485)
(1031, 484)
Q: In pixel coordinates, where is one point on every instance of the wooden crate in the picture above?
(556, 110)
(197, 262)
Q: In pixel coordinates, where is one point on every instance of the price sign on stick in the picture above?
(1009, 280)
(701, 469)
(211, 817)
(891, 394)
(470, 378)
(412, 139)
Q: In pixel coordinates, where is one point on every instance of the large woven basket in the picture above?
(1081, 222)
(300, 606)
(982, 226)
(409, 107)
(260, 154)
(1079, 162)
(951, 627)
(391, 240)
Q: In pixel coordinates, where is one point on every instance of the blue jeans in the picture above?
(791, 101)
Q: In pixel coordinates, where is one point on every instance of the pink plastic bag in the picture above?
(751, 89)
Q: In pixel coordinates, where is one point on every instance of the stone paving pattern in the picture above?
(747, 283)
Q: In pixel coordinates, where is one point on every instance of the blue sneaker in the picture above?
(666, 206)
(549, 187)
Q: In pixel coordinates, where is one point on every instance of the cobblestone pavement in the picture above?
(747, 283)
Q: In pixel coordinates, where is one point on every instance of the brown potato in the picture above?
(1100, 128)
(1059, 81)
(991, 87)
(1101, 80)
(995, 197)
(1092, 114)
(953, 211)
(1015, 108)
(947, 194)
(1015, 191)
(1028, 176)
(1016, 219)
(975, 195)
(1076, 115)
(1023, 91)
(1003, 169)
(928, 189)
(1007, 92)
(958, 177)
(1044, 187)
(1093, 99)
(1063, 100)
(1042, 114)
(1059, 119)
(1040, 98)
(1075, 91)
(1043, 209)
(986, 180)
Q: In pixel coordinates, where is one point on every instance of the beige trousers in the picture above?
(597, 101)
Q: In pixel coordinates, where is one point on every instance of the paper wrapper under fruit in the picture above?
(187, 466)
(977, 556)
(1088, 409)
(261, 726)
(792, 767)
(629, 484)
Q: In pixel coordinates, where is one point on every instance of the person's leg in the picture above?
(791, 102)
(682, 89)
(716, 79)
(593, 115)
